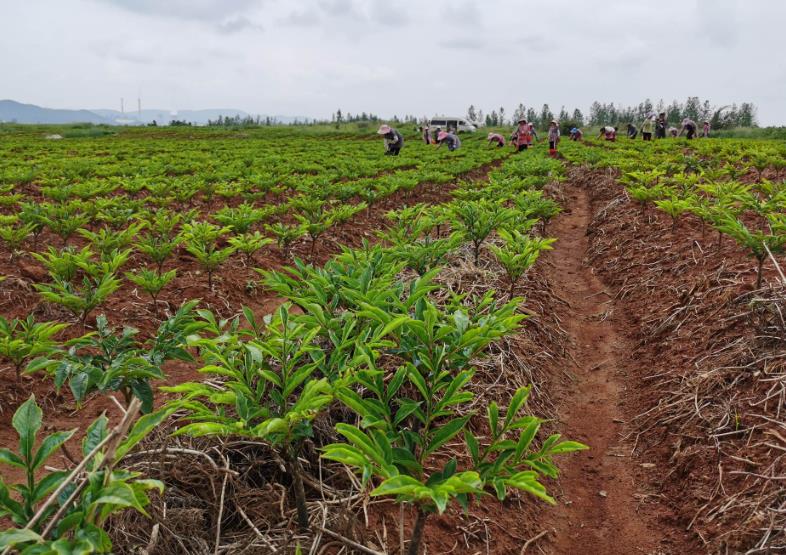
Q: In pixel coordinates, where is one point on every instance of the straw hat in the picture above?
(384, 130)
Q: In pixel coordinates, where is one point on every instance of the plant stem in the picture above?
(299, 491)
(417, 533)
(758, 275)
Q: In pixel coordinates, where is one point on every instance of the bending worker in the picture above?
(609, 132)
(393, 140)
(449, 139)
(496, 138)
(690, 126)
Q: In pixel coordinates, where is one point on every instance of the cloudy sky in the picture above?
(309, 57)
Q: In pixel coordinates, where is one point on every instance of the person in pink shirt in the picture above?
(522, 136)
(706, 130)
(496, 138)
(609, 132)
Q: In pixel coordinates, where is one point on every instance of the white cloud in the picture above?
(308, 57)
(463, 43)
(186, 9)
(464, 13)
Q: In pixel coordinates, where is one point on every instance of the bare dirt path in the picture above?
(600, 509)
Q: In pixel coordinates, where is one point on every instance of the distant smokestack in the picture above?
(122, 107)
(139, 106)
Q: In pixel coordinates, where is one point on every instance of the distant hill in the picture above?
(198, 117)
(12, 111)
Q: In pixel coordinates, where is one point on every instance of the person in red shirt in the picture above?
(522, 136)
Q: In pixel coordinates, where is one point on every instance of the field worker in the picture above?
(533, 132)
(609, 132)
(576, 134)
(706, 130)
(434, 139)
(553, 137)
(393, 140)
(449, 139)
(689, 126)
(522, 136)
(426, 134)
(674, 132)
(496, 138)
(632, 131)
(660, 126)
(646, 128)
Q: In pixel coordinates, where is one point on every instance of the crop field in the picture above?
(279, 340)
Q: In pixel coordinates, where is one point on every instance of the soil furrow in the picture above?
(601, 509)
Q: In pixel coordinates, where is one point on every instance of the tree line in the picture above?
(720, 117)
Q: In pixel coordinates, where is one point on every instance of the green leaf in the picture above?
(517, 401)
(96, 433)
(144, 392)
(143, 426)
(527, 481)
(12, 538)
(526, 437)
(567, 447)
(362, 442)
(51, 444)
(119, 494)
(444, 433)
(9, 457)
(493, 416)
(27, 421)
(398, 485)
(271, 426)
(406, 408)
(472, 444)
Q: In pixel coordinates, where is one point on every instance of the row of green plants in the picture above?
(366, 332)
(721, 183)
(102, 226)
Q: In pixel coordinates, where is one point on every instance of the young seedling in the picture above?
(66, 263)
(201, 241)
(64, 220)
(107, 240)
(106, 361)
(249, 244)
(286, 235)
(675, 207)
(519, 253)
(62, 511)
(151, 282)
(13, 236)
(315, 228)
(407, 420)
(21, 340)
(755, 241)
(269, 392)
(80, 299)
(240, 219)
(157, 248)
(477, 219)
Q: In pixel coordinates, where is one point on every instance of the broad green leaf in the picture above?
(27, 421)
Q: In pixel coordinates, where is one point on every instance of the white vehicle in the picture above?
(456, 124)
